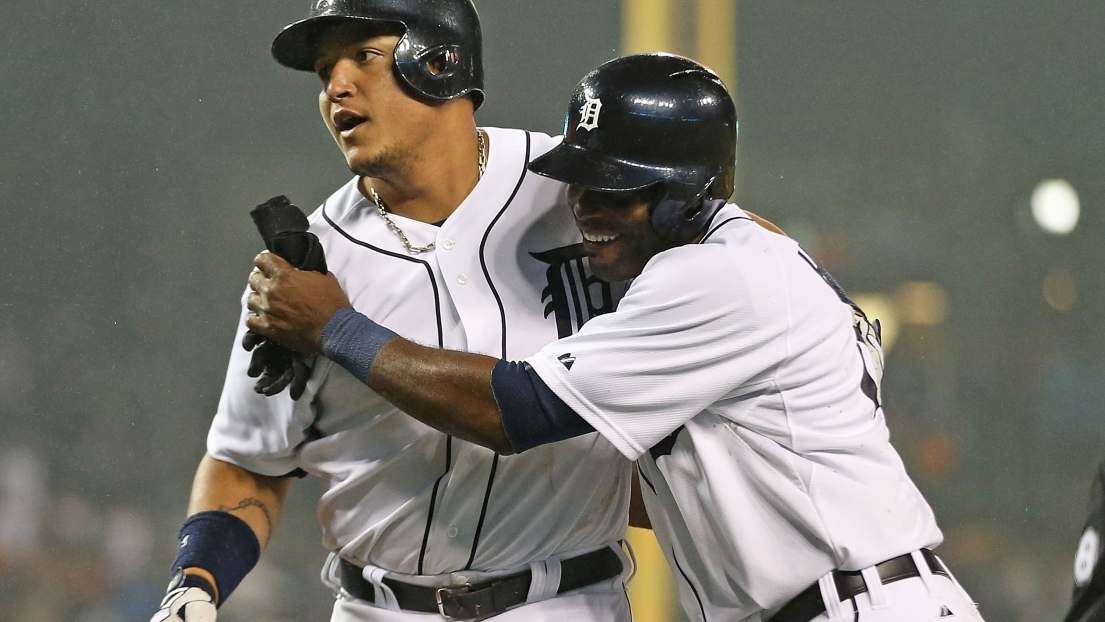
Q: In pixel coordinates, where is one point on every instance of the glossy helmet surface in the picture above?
(647, 120)
(440, 55)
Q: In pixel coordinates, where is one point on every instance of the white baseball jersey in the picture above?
(740, 380)
(506, 278)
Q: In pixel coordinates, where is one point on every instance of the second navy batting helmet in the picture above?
(649, 120)
(440, 55)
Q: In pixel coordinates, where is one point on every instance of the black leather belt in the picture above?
(809, 604)
(487, 598)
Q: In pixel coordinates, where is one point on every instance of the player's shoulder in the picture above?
(734, 235)
(688, 272)
(512, 151)
(524, 143)
(543, 143)
(339, 207)
(730, 234)
(734, 251)
(731, 223)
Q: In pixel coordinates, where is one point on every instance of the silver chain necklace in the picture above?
(416, 250)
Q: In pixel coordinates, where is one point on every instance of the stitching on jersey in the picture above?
(487, 234)
(429, 271)
(722, 224)
(645, 479)
(349, 209)
(688, 580)
(483, 512)
(440, 344)
(433, 502)
(502, 318)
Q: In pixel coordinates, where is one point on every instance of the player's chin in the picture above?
(362, 162)
(607, 261)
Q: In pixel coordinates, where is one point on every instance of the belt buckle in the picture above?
(463, 588)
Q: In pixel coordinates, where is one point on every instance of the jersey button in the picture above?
(462, 279)
(448, 244)
(452, 533)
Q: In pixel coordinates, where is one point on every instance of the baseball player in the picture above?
(1088, 602)
(444, 235)
(735, 371)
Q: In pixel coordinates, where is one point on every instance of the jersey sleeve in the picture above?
(260, 434)
(690, 331)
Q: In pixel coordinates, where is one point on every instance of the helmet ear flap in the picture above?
(692, 211)
(439, 55)
(679, 219)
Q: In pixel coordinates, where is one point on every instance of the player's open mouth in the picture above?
(590, 237)
(345, 120)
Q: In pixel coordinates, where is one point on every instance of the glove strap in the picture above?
(181, 580)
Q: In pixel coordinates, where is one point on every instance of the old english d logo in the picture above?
(573, 294)
(589, 114)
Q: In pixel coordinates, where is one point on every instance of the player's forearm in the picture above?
(256, 499)
(231, 516)
(446, 390)
(490, 402)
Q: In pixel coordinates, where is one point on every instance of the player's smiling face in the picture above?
(372, 118)
(618, 236)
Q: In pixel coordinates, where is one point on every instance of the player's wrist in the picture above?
(353, 341)
(217, 550)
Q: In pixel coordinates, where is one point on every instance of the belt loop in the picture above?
(875, 591)
(629, 559)
(385, 597)
(331, 576)
(923, 570)
(544, 579)
(833, 607)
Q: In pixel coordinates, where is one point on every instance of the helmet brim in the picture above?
(578, 166)
(297, 45)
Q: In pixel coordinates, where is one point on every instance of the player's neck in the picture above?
(434, 181)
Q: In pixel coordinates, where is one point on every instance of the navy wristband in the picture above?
(221, 544)
(353, 341)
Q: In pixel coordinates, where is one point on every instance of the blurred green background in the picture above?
(901, 142)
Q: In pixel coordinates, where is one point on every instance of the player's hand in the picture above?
(284, 227)
(186, 604)
(292, 306)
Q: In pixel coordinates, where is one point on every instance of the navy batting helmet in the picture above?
(440, 55)
(648, 120)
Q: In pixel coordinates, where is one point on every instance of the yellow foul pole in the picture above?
(655, 26)
(717, 39)
(647, 26)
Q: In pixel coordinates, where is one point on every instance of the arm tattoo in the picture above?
(252, 503)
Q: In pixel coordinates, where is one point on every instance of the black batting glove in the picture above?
(283, 226)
